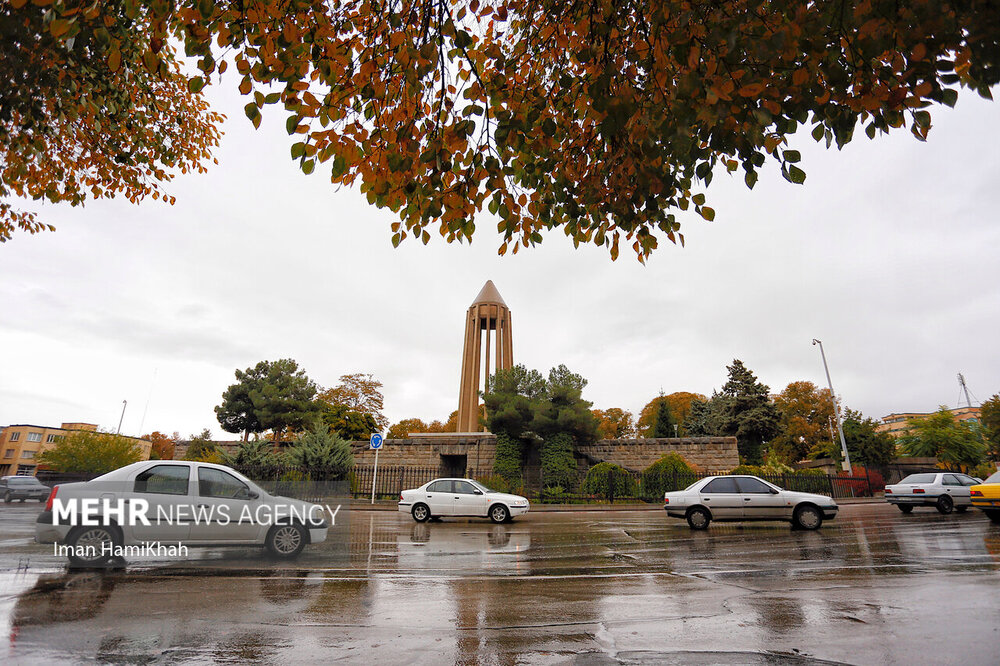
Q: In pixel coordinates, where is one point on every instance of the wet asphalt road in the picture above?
(872, 587)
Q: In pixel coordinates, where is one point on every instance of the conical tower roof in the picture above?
(489, 294)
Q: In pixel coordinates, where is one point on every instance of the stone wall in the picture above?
(426, 451)
(705, 454)
(708, 454)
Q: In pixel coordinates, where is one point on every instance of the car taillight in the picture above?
(52, 496)
(888, 491)
(666, 500)
(976, 493)
(400, 497)
(918, 491)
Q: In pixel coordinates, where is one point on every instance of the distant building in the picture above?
(21, 444)
(898, 425)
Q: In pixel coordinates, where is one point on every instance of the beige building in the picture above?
(21, 444)
(898, 425)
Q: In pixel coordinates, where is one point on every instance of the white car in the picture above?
(732, 498)
(460, 497)
(172, 505)
(945, 491)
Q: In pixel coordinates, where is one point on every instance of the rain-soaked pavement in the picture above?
(872, 587)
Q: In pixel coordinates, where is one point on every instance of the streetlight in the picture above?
(124, 404)
(836, 410)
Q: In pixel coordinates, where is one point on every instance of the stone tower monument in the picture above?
(487, 313)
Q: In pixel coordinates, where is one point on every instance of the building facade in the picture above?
(898, 425)
(21, 444)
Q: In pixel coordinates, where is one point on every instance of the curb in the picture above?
(382, 505)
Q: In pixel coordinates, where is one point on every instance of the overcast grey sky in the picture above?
(887, 254)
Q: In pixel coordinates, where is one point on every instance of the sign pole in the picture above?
(375, 475)
(375, 442)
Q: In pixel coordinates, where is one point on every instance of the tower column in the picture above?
(488, 312)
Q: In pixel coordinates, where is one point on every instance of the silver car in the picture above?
(945, 491)
(733, 498)
(173, 504)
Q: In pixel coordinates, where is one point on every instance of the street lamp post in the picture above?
(124, 404)
(836, 411)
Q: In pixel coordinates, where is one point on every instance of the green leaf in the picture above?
(751, 179)
(308, 166)
(196, 84)
(870, 130)
(798, 176)
(949, 97)
(291, 123)
(708, 213)
(818, 132)
(253, 113)
(792, 156)
(298, 150)
(698, 199)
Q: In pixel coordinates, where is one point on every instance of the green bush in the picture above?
(755, 470)
(326, 455)
(810, 471)
(495, 482)
(599, 481)
(507, 461)
(558, 464)
(983, 469)
(671, 472)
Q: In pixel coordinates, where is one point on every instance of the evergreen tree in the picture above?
(664, 426)
(747, 412)
(325, 454)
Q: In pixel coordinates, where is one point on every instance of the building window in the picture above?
(14, 436)
(25, 470)
(34, 436)
(9, 453)
(26, 455)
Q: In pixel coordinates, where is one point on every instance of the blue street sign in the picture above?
(376, 441)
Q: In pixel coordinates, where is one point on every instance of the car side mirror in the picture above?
(774, 491)
(252, 495)
(477, 491)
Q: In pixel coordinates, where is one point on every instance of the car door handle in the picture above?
(746, 499)
(457, 497)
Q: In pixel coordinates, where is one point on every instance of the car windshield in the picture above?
(919, 478)
(993, 478)
(23, 481)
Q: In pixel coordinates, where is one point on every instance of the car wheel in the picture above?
(21, 500)
(698, 518)
(992, 514)
(905, 508)
(420, 512)
(7, 498)
(807, 517)
(41, 500)
(944, 504)
(499, 513)
(286, 541)
(92, 546)
(961, 509)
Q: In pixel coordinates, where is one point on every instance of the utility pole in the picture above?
(836, 411)
(961, 382)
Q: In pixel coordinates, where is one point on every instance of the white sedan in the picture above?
(460, 497)
(165, 506)
(945, 491)
(732, 498)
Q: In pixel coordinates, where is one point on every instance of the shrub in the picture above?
(810, 471)
(507, 461)
(326, 455)
(89, 452)
(558, 463)
(495, 482)
(256, 456)
(755, 470)
(983, 470)
(671, 472)
(607, 479)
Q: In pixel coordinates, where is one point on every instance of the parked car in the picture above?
(22, 488)
(986, 496)
(734, 498)
(945, 491)
(186, 503)
(460, 497)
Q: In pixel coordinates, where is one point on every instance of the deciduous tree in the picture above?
(359, 392)
(614, 423)
(93, 104)
(805, 413)
(990, 415)
(402, 429)
(599, 120)
(680, 404)
(162, 447)
(940, 435)
(89, 452)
